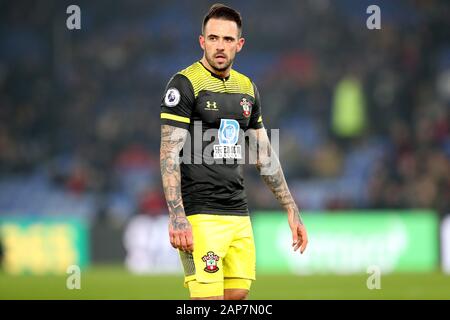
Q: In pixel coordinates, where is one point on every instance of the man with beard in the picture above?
(209, 220)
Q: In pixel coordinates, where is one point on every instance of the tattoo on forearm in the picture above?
(272, 174)
(172, 141)
(278, 186)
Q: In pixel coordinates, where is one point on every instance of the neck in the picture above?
(223, 74)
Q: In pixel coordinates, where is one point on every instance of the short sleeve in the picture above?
(178, 102)
(256, 116)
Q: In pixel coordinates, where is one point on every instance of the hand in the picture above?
(180, 234)
(299, 235)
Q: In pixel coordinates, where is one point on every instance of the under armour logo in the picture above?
(211, 105)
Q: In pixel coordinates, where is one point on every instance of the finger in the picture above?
(183, 242)
(172, 240)
(305, 240)
(177, 241)
(190, 242)
(299, 239)
(303, 247)
(294, 236)
(297, 245)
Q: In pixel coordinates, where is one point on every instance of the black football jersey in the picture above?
(216, 111)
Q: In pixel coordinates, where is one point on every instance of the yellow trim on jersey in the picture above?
(201, 79)
(175, 117)
(260, 119)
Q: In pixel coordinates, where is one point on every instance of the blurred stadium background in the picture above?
(364, 124)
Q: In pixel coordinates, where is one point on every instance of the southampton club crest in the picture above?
(246, 107)
(211, 262)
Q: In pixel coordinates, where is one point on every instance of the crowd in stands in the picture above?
(363, 115)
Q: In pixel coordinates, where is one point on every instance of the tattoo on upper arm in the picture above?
(172, 141)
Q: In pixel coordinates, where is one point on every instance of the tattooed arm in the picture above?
(271, 172)
(180, 231)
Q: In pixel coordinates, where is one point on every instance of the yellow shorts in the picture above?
(223, 257)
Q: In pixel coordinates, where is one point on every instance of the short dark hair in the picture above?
(221, 11)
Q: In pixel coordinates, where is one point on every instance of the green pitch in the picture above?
(113, 282)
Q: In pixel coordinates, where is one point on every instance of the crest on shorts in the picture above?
(246, 107)
(211, 262)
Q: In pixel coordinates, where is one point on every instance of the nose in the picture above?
(220, 45)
